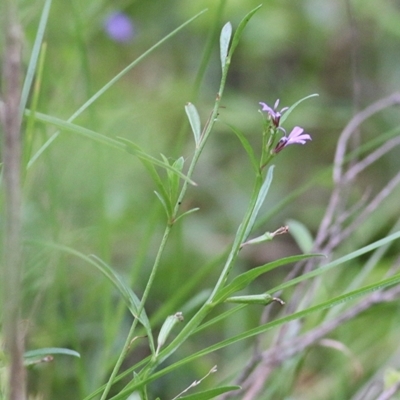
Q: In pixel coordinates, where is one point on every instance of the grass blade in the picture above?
(337, 262)
(243, 280)
(127, 293)
(110, 83)
(210, 394)
(50, 351)
(34, 57)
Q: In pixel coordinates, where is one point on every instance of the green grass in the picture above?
(147, 169)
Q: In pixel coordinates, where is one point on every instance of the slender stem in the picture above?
(238, 239)
(196, 156)
(164, 238)
(206, 133)
(120, 360)
(12, 267)
(209, 305)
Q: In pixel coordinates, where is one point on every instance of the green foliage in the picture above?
(89, 203)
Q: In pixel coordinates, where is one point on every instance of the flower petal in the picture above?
(266, 107)
(296, 131)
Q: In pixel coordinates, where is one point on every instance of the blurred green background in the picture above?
(100, 201)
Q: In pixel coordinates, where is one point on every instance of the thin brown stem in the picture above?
(12, 259)
(352, 126)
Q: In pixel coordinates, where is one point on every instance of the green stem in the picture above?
(196, 156)
(120, 360)
(209, 305)
(239, 239)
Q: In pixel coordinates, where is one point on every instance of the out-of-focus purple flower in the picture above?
(119, 27)
(295, 137)
(273, 113)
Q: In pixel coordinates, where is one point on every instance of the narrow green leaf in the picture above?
(165, 203)
(220, 317)
(162, 192)
(111, 82)
(45, 351)
(187, 213)
(301, 235)
(240, 28)
(34, 57)
(287, 113)
(129, 296)
(68, 126)
(247, 146)
(133, 148)
(173, 178)
(260, 200)
(34, 100)
(127, 293)
(337, 262)
(224, 40)
(210, 394)
(243, 280)
(120, 144)
(194, 120)
(261, 329)
(270, 325)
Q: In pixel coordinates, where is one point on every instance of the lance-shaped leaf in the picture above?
(301, 235)
(30, 74)
(260, 200)
(130, 298)
(45, 354)
(240, 28)
(287, 112)
(184, 214)
(194, 121)
(247, 146)
(173, 178)
(224, 40)
(243, 280)
(133, 148)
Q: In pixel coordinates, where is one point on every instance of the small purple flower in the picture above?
(119, 27)
(273, 113)
(295, 137)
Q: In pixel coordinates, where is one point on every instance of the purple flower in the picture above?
(119, 27)
(295, 137)
(273, 113)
